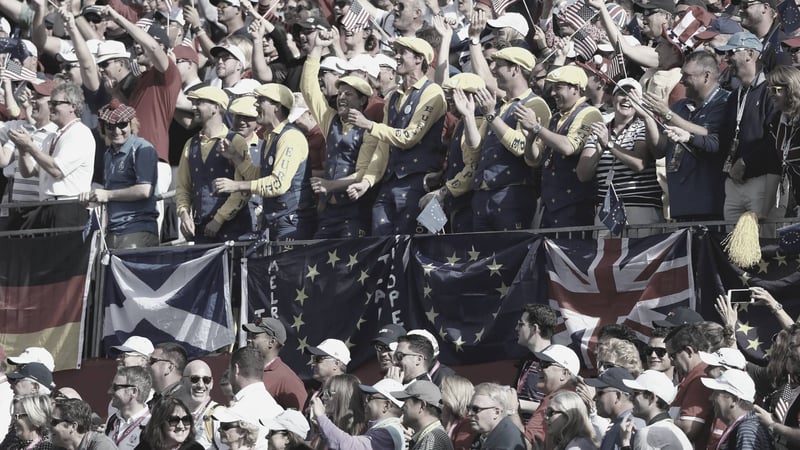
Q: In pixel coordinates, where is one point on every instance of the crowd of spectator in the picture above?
(299, 119)
(687, 386)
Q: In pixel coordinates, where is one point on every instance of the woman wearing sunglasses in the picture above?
(171, 427)
(31, 420)
(236, 431)
(568, 425)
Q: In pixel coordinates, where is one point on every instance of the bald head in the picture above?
(198, 380)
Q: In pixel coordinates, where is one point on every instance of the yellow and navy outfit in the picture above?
(199, 166)
(410, 146)
(504, 192)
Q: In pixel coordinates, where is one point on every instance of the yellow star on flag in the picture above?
(745, 279)
(432, 315)
(301, 296)
(494, 268)
(763, 266)
(479, 335)
(312, 272)
(426, 291)
(503, 290)
(353, 261)
(360, 321)
(426, 268)
(332, 258)
(781, 260)
(473, 255)
(459, 344)
(754, 344)
(363, 277)
(744, 327)
(452, 260)
(303, 344)
(298, 322)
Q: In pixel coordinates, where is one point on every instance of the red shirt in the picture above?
(284, 385)
(154, 99)
(694, 401)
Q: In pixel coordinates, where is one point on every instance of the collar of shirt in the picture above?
(519, 97)
(252, 387)
(421, 433)
(221, 135)
(277, 130)
(142, 413)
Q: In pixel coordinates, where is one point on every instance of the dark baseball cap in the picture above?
(35, 371)
(720, 25)
(644, 5)
(679, 316)
(388, 334)
(312, 23)
(612, 378)
(269, 325)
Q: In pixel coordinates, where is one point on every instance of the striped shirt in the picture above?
(23, 189)
(634, 189)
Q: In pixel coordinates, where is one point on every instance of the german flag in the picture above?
(43, 285)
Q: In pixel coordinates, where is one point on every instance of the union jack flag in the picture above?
(15, 72)
(356, 17)
(625, 281)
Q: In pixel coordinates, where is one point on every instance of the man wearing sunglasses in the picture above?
(166, 369)
(760, 17)
(490, 413)
(613, 401)
(129, 391)
(422, 407)
(71, 427)
(652, 393)
(559, 367)
(198, 382)
(130, 175)
(413, 359)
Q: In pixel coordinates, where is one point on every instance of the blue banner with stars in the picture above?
(777, 272)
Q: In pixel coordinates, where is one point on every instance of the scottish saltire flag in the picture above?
(778, 272)
(43, 290)
(612, 213)
(345, 289)
(470, 291)
(170, 295)
(592, 283)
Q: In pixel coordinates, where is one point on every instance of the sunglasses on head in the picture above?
(185, 420)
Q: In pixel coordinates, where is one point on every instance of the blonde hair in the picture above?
(788, 77)
(457, 392)
(245, 45)
(578, 424)
(39, 408)
(622, 353)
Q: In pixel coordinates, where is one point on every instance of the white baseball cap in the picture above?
(655, 382)
(726, 357)
(298, 108)
(383, 60)
(231, 49)
(332, 347)
(561, 355)
(136, 344)
(429, 336)
(366, 64)
(385, 387)
(290, 420)
(108, 50)
(34, 355)
(733, 381)
(510, 20)
(227, 415)
(333, 64)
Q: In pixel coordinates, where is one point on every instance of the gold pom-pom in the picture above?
(742, 243)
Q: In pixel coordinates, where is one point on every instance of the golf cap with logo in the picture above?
(735, 382)
(388, 334)
(725, 357)
(656, 382)
(35, 371)
(34, 355)
(560, 355)
(269, 325)
(136, 344)
(423, 390)
(333, 348)
(612, 378)
(385, 387)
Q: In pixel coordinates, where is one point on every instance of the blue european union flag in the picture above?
(612, 214)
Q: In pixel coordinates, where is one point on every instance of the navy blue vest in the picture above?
(454, 165)
(560, 184)
(499, 167)
(424, 157)
(205, 201)
(341, 153)
(299, 196)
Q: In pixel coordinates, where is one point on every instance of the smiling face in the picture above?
(623, 108)
(176, 431)
(347, 98)
(40, 110)
(200, 382)
(657, 358)
(565, 95)
(118, 133)
(551, 377)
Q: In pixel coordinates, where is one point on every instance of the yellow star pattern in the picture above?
(473, 255)
(763, 266)
(780, 259)
(452, 260)
(303, 344)
(353, 261)
(494, 268)
(459, 344)
(503, 290)
(426, 268)
(312, 272)
(441, 333)
(745, 279)
(743, 307)
(479, 335)
(298, 322)
(363, 277)
(753, 344)
(744, 327)
(426, 291)
(360, 321)
(332, 258)
(432, 315)
(349, 344)
(301, 296)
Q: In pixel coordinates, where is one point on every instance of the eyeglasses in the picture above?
(19, 416)
(381, 348)
(196, 379)
(685, 75)
(635, 393)
(319, 358)
(54, 103)
(659, 351)
(152, 361)
(475, 409)
(116, 126)
(182, 60)
(398, 356)
(185, 420)
(225, 426)
(550, 412)
(675, 353)
(327, 394)
(116, 387)
(374, 397)
(280, 432)
(54, 421)
(225, 57)
(775, 89)
(105, 64)
(399, 6)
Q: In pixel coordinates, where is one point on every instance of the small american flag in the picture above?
(15, 72)
(499, 6)
(617, 69)
(782, 404)
(585, 46)
(356, 17)
(578, 13)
